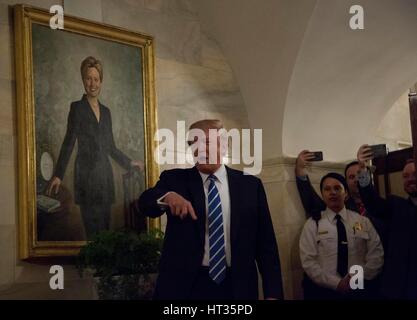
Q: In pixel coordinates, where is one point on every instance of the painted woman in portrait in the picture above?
(89, 123)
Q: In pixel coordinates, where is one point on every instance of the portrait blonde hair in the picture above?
(91, 62)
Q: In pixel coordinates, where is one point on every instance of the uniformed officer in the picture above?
(339, 239)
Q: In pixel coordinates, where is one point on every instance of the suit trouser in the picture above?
(205, 288)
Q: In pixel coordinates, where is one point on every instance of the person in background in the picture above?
(312, 202)
(399, 279)
(314, 205)
(339, 239)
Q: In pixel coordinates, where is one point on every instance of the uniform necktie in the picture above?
(342, 247)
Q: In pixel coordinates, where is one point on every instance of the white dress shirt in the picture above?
(222, 184)
(318, 247)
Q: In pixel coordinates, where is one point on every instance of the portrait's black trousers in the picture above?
(205, 288)
(96, 218)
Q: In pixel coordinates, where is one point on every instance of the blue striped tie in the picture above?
(217, 264)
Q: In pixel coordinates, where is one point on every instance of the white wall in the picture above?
(395, 128)
(344, 82)
(261, 40)
(301, 69)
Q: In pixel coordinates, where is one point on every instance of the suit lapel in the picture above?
(89, 111)
(195, 187)
(234, 191)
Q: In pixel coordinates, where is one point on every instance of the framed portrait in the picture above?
(86, 119)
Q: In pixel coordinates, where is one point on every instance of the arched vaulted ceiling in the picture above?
(309, 80)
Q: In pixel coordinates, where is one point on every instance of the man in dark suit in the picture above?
(218, 231)
(399, 278)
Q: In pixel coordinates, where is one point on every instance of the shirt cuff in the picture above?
(160, 203)
(302, 178)
(333, 281)
(364, 178)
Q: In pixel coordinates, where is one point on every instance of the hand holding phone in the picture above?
(379, 150)
(304, 159)
(317, 156)
(366, 153)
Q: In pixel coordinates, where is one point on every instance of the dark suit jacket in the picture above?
(252, 236)
(399, 279)
(93, 175)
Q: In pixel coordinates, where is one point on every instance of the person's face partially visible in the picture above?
(352, 179)
(92, 83)
(409, 180)
(334, 194)
(208, 161)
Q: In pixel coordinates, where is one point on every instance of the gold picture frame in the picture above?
(26, 20)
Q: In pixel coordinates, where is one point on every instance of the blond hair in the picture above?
(91, 62)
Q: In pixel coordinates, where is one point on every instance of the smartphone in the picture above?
(318, 156)
(379, 150)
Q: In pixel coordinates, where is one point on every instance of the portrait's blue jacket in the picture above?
(93, 175)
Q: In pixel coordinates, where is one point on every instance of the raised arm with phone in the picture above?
(312, 202)
(399, 280)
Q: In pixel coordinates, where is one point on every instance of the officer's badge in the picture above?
(357, 227)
